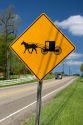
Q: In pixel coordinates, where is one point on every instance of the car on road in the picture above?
(58, 76)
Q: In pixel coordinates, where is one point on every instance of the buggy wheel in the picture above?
(43, 51)
(58, 50)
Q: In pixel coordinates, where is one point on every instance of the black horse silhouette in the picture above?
(29, 46)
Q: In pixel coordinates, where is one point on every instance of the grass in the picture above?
(65, 109)
(49, 76)
(1, 86)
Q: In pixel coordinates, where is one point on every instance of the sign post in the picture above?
(39, 102)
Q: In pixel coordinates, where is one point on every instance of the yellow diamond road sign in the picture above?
(42, 46)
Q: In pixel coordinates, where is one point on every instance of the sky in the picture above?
(67, 15)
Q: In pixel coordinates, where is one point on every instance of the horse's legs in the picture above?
(35, 50)
(25, 50)
(29, 51)
(32, 50)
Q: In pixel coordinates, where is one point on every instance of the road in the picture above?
(18, 102)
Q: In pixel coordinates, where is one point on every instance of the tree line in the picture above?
(9, 63)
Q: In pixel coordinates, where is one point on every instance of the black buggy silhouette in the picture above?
(49, 47)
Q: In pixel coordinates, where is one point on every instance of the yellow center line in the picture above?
(26, 89)
(15, 92)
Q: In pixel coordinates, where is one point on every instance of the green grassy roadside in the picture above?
(65, 109)
(18, 83)
(49, 76)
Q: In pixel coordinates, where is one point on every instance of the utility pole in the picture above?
(63, 68)
(69, 71)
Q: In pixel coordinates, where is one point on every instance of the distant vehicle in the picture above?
(58, 76)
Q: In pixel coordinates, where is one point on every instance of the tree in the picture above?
(9, 22)
(81, 68)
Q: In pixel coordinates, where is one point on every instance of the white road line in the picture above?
(17, 111)
(3, 119)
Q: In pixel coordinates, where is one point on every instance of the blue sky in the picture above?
(67, 15)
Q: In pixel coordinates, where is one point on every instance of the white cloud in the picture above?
(75, 56)
(74, 24)
(74, 63)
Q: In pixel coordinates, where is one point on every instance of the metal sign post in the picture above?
(38, 105)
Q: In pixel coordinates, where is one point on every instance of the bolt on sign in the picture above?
(42, 46)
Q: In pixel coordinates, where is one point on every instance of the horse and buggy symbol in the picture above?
(48, 47)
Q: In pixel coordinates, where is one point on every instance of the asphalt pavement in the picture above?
(19, 102)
